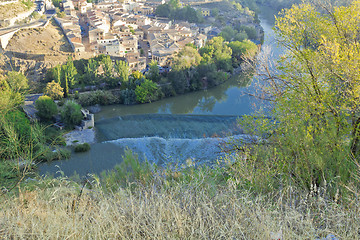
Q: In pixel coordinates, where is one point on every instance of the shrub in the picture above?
(58, 154)
(127, 96)
(82, 147)
(35, 15)
(71, 114)
(46, 108)
(167, 89)
(61, 14)
(61, 102)
(54, 90)
(146, 92)
(97, 97)
(20, 123)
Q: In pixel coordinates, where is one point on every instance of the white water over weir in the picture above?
(159, 138)
(174, 150)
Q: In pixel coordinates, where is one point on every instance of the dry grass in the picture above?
(11, 10)
(183, 211)
(49, 41)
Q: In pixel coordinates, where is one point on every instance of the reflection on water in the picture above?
(225, 99)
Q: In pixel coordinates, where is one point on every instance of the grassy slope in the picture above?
(162, 204)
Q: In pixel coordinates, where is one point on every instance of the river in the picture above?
(190, 126)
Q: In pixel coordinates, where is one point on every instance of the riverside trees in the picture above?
(192, 69)
(316, 95)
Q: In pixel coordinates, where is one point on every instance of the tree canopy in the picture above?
(316, 135)
(54, 90)
(173, 10)
(186, 58)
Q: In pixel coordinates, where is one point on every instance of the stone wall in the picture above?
(5, 38)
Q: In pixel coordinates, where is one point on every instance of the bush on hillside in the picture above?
(46, 108)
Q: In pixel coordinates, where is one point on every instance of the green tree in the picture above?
(91, 71)
(216, 51)
(250, 31)
(174, 4)
(107, 66)
(69, 73)
(122, 69)
(65, 86)
(214, 12)
(137, 75)
(178, 81)
(57, 73)
(240, 36)
(243, 50)
(228, 33)
(315, 96)
(17, 82)
(12, 90)
(146, 92)
(163, 10)
(54, 90)
(46, 107)
(71, 114)
(153, 74)
(188, 57)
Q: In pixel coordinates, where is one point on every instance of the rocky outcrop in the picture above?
(32, 69)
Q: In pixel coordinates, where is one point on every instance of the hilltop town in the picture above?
(127, 30)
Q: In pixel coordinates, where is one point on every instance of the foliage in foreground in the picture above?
(315, 139)
(22, 141)
(144, 202)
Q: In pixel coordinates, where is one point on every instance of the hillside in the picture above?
(13, 9)
(49, 41)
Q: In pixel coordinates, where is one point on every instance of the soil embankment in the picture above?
(34, 50)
